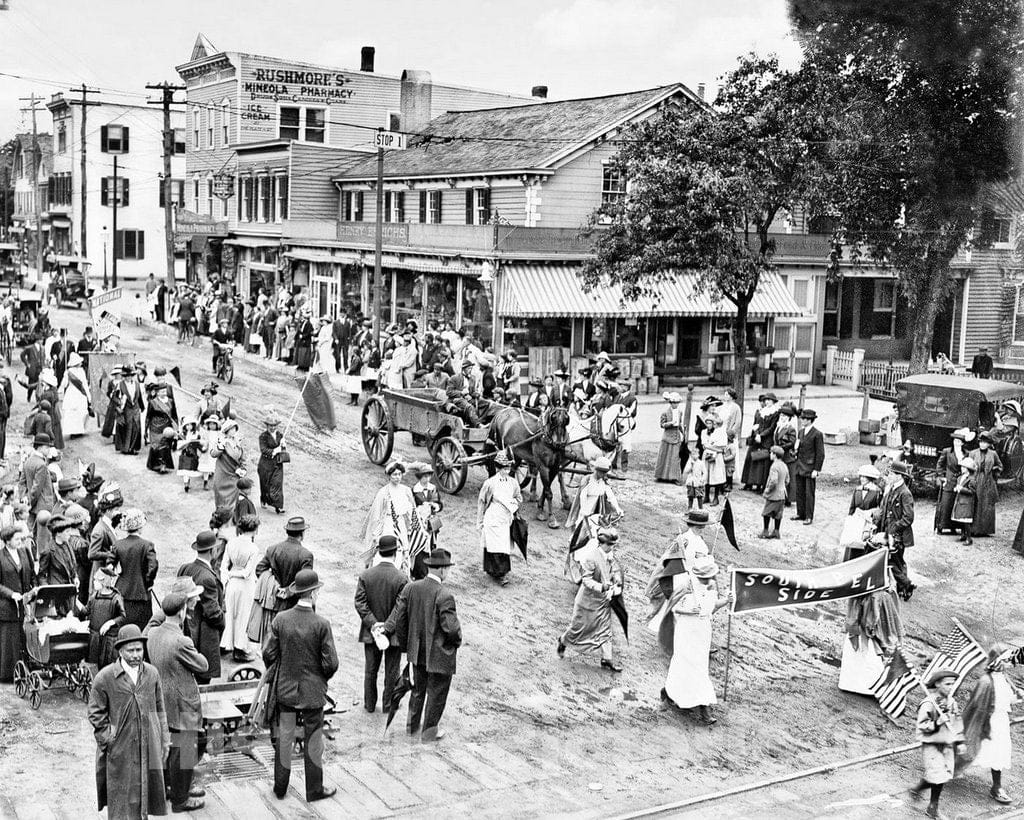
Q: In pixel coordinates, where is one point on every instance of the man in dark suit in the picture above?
(810, 458)
(428, 627)
(176, 659)
(895, 518)
(560, 393)
(377, 592)
(206, 621)
(287, 557)
(6, 403)
(341, 334)
(137, 559)
(35, 480)
(982, 364)
(302, 645)
(33, 358)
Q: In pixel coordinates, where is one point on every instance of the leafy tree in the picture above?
(706, 185)
(933, 131)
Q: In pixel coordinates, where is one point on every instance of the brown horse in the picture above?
(540, 445)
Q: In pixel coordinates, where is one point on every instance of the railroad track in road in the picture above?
(719, 800)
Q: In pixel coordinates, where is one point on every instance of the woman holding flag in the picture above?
(391, 513)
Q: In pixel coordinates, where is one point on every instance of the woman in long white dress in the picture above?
(390, 514)
(873, 630)
(238, 574)
(325, 346)
(987, 723)
(500, 498)
(77, 397)
(694, 601)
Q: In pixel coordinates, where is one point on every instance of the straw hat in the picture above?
(704, 566)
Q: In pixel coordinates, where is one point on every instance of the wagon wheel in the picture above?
(20, 679)
(84, 683)
(35, 690)
(70, 675)
(245, 673)
(377, 433)
(450, 466)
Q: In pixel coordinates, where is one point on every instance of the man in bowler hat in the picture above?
(301, 643)
(810, 458)
(427, 625)
(286, 558)
(377, 593)
(206, 620)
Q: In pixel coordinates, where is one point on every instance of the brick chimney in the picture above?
(416, 99)
(540, 92)
(366, 58)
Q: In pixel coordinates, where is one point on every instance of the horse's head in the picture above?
(616, 421)
(556, 429)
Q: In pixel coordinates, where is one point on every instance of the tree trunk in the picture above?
(926, 309)
(739, 346)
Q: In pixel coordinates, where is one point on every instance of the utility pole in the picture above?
(32, 100)
(83, 210)
(378, 245)
(167, 100)
(117, 199)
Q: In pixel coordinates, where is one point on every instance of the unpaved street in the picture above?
(529, 734)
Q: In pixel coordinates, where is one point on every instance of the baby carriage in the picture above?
(54, 646)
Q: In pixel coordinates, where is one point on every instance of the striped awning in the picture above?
(253, 241)
(534, 291)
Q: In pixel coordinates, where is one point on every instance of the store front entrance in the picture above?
(676, 343)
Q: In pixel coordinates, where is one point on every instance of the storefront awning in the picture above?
(253, 241)
(534, 291)
(315, 256)
(60, 222)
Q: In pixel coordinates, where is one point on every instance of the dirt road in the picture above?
(529, 734)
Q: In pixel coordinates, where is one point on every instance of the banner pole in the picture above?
(302, 392)
(728, 656)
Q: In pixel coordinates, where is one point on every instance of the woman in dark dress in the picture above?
(271, 465)
(105, 613)
(760, 441)
(113, 390)
(48, 392)
(17, 576)
(947, 470)
(989, 468)
(304, 342)
(160, 431)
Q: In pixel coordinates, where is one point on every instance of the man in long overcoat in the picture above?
(810, 458)
(377, 592)
(286, 558)
(428, 627)
(301, 643)
(36, 481)
(126, 710)
(895, 518)
(176, 659)
(206, 621)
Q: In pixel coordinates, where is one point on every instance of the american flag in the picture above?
(419, 538)
(894, 684)
(959, 652)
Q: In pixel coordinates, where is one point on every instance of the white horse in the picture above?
(591, 441)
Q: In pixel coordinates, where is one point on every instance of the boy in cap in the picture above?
(940, 729)
(775, 491)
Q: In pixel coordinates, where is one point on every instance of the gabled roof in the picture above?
(202, 48)
(518, 138)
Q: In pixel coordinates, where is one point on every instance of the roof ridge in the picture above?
(653, 89)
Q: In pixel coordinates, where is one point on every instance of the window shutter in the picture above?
(469, 206)
(401, 206)
(140, 244)
(103, 140)
(359, 206)
(104, 188)
(124, 140)
(124, 193)
(119, 245)
(485, 204)
(423, 206)
(346, 206)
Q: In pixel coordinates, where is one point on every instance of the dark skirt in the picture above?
(101, 648)
(497, 564)
(109, 419)
(271, 475)
(1018, 539)
(128, 433)
(160, 456)
(303, 357)
(755, 473)
(188, 459)
(138, 612)
(943, 510)
(10, 649)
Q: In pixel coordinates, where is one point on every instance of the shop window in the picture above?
(430, 207)
(129, 244)
(394, 206)
(613, 187)
(615, 335)
(114, 139)
(478, 206)
(302, 123)
(830, 321)
(352, 206)
(526, 333)
(107, 192)
(408, 296)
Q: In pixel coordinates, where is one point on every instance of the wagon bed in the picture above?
(454, 446)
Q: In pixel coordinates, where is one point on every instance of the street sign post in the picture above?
(390, 141)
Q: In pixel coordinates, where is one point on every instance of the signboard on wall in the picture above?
(395, 233)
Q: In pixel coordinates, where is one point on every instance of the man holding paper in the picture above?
(377, 592)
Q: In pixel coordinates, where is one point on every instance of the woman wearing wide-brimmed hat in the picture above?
(190, 445)
(989, 468)
(76, 396)
(499, 500)
(762, 437)
(667, 467)
(391, 514)
(230, 465)
(695, 599)
(273, 455)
